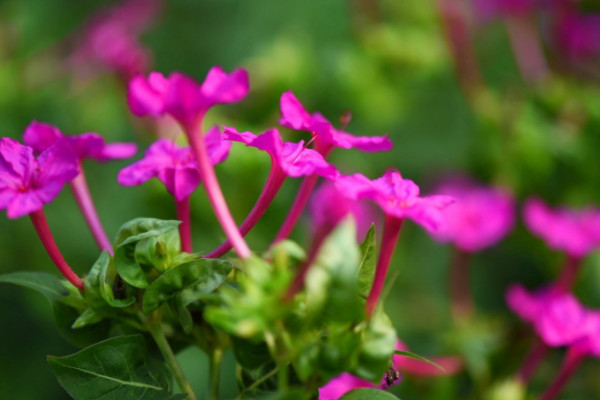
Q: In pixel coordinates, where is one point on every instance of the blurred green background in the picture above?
(388, 62)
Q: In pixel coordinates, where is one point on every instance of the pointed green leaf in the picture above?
(366, 268)
(418, 357)
(187, 281)
(368, 394)
(66, 316)
(87, 317)
(115, 369)
(50, 285)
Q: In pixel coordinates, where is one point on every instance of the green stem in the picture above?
(282, 378)
(216, 357)
(153, 326)
(257, 383)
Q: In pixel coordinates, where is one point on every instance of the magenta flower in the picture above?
(573, 232)
(174, 166)
(177, 168)
(480, 218)
(41, 136)
(342, 384)
(111, 40)
(577, 34)
(398, 198)
(295, 116)
(294, 159)
(182, 98)
(557, 317)
(187, 102)
(27, 183)
(287, 159)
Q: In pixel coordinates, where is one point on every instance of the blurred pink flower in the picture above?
(181, 97)
(295, 116)
(40, 136)
(342, 384)
(480, 218)
(174, 166)
(329, 206)
(557, 317)
(576, 233)
(26, 182)
(577, 34)
(292, 158)
(111, 39)
(398, 198)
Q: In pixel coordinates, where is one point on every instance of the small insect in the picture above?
(119, 288)
(391, 377)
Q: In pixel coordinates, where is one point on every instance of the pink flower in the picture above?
(41, 136)
(557, 317)
(293, 158)
(577, 34)
(174, 166)
(294, 116)
(111, 39)
(573, 232)
(329, 207)
(398, 198)
(480, 217)
(181, 97)
(342, 384)
(27, 183)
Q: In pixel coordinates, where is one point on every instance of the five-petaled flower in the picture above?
(294, 159)
(181, 97)
(479, 218)
(295, 116)
(576, 233)
(174, 166)
(39, 136)
(398, 198)
(26, 182)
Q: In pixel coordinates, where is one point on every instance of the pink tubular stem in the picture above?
(272, 186)
(461, 299)
(214, 193)
(568, 275)
(38, 218)
(532, 361)
(391, 231)
(527, 49)
(185, 228)
(306, 188)
(569, 366)
(298, 282)
(83, 197)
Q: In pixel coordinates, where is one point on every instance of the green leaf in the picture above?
(99, 285)
(368, 394)
(145, 244)
(331, 284)
(378, 342)
(366, 268)
(115, 369)
(188, 282)
(87, 317)
(66, 316)
(50, 285)
(418, 357)
(250, 354)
